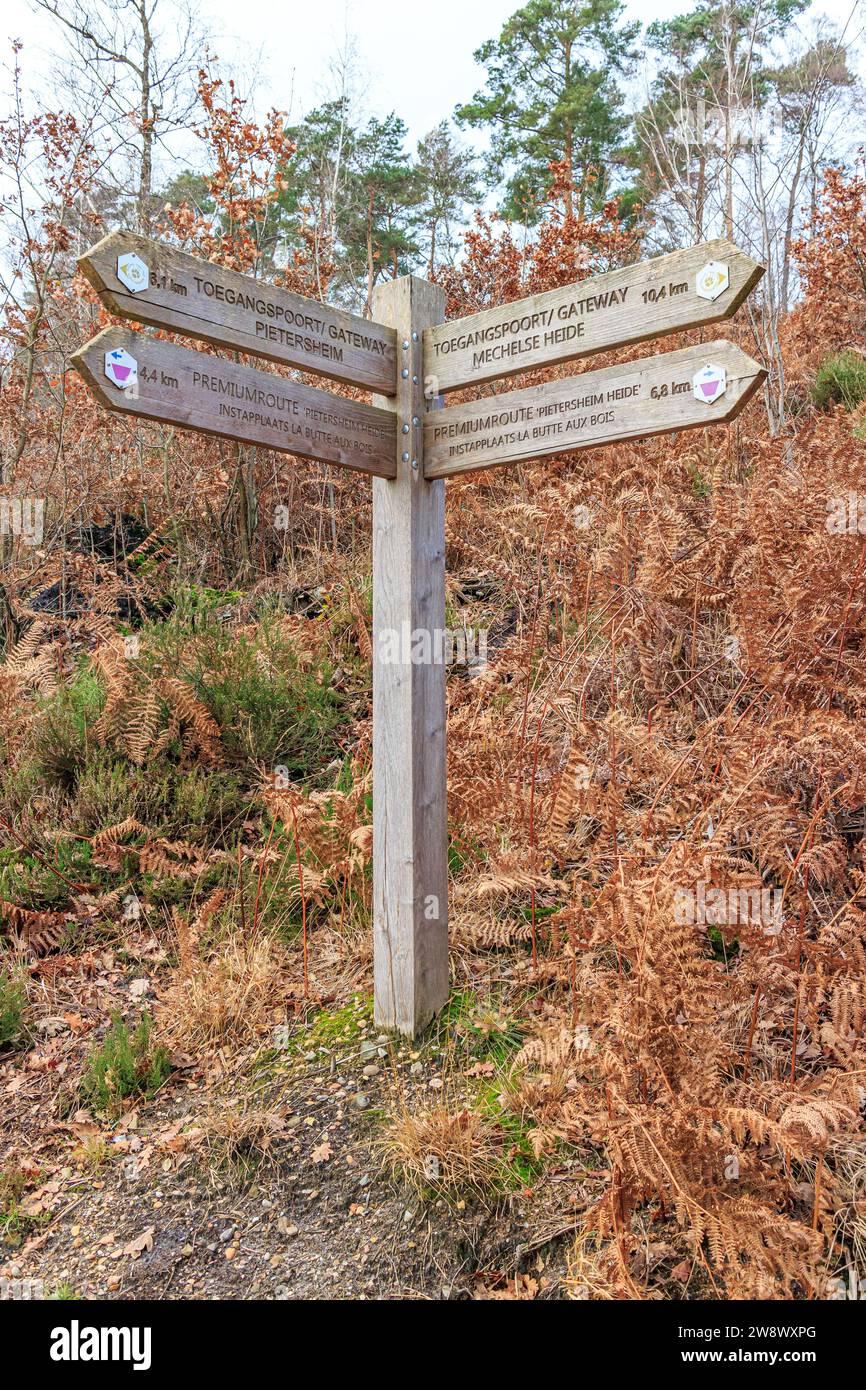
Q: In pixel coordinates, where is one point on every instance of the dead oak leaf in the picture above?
(140, 1244)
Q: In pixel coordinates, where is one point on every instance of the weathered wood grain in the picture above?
(410, 855)
(198, 391)
(650, 396)
(617, 309)
(222, 307)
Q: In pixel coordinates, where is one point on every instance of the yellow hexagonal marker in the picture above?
(712, 280)
(132, 272)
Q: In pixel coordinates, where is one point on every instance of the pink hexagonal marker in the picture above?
(710, 383)
(121, 368)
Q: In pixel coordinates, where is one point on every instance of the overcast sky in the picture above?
(414, 57)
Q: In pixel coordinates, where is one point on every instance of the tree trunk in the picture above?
(368, 307)
(729, 173)
(701, 195)
(146, 120)
(789, 226)
(569, 143)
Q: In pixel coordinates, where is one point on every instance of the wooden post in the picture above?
(142, 280)
(410, 849)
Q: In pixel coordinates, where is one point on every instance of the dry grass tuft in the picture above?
(228, 998)
(593, 1272)
(239, 1140)
(452, 1152)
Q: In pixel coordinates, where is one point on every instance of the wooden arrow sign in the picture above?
(157, 380)
(704, 284)
(144, 280)
(682, 390)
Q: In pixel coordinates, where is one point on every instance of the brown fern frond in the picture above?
(200, 731)
(39, 931)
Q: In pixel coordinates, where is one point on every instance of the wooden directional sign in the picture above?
(704, 284)
(143, 280)
(413, 354)
(703, 385)
(140, 375)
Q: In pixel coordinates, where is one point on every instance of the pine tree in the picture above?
(316, 201)
(378, 229)
(447, 180)
(552, 96)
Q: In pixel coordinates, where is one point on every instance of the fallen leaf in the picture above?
(141, 1243)
(522, 1286)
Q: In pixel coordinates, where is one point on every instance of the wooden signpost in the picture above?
(409, 357)
(687, 289)
(201, 392)
(143, 280)
(642, 398)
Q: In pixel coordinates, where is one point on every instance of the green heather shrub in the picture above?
(124, 1064)
(13, 999)
(273, 709)
(40, 880)
(841, 378)
(199, 804)
(20, 782)
(63, 738)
